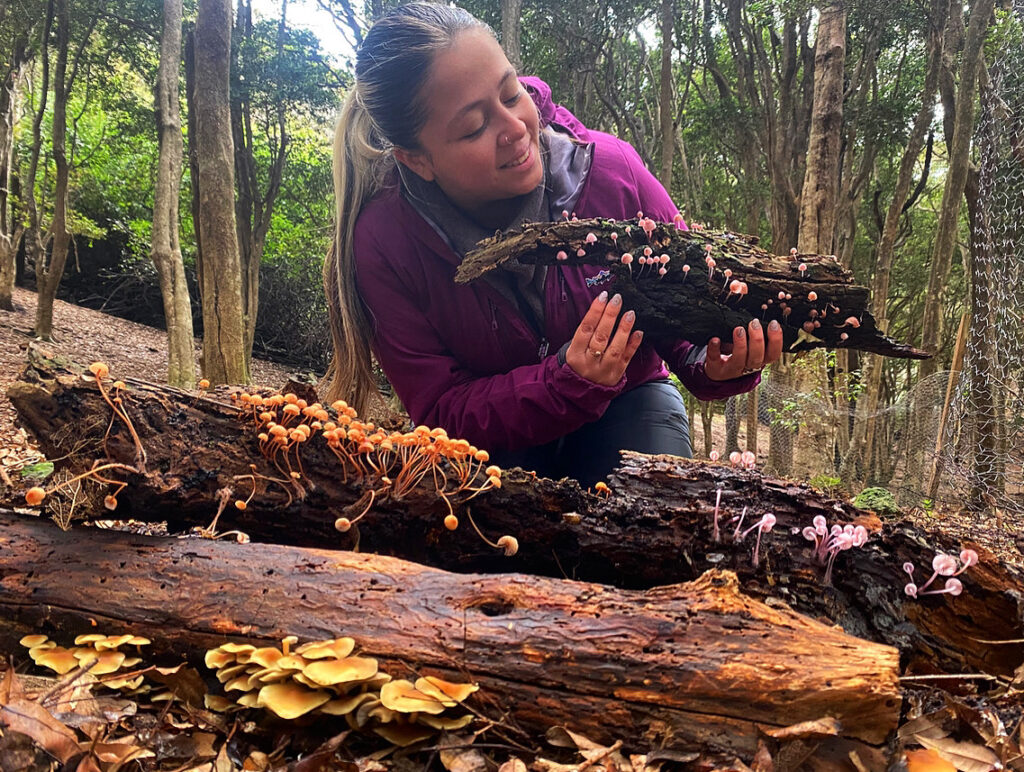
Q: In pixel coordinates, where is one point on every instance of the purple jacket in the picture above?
(462, 357)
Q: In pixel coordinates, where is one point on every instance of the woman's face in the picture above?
(480, 141)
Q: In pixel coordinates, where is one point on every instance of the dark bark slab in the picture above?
(697, 664)
(695, 305)
(655, 528)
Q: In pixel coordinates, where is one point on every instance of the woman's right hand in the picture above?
(594, 352)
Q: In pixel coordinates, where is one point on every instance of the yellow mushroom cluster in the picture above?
(388, 464)
(325, 678)
(99, 654)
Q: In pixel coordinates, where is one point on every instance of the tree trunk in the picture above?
(11, 228)
(166, 248)
(732, 425)
(666, 110)
(956, 179)
(254, 205)
(859, 450)
(655, 527)
(50, 270)
(682, 665)
(821, 175)
(511, 24)
(224, 356)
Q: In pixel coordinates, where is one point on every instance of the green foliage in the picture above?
(878, 500)
(36, 473)
(827, 484)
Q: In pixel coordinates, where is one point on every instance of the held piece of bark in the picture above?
(655, 528)
(693, 301)
(682, 664)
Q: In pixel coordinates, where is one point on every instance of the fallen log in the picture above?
(699, 284)
(682, 665)
(655, 527)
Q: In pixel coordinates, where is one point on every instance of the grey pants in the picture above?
(650, 418)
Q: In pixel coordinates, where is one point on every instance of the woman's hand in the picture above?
(749, 352)
(594, 352)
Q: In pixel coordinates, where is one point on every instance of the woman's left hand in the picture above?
(749, 351)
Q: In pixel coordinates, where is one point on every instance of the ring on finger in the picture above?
(596, 353)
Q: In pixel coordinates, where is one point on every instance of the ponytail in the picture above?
(362, 163)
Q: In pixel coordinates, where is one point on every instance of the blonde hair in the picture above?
(385, 109)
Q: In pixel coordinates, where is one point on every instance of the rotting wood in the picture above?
(655, 527)
(697, 304)
(684, 665)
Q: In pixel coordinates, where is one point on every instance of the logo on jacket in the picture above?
(601, 277)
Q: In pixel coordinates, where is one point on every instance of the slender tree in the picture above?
(665, 108)
(166, 248)
(224, 357)
(956, 180)
(511, 23)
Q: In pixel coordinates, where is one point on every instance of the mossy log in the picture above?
(693, 301)
(655, 527)
(696, 664)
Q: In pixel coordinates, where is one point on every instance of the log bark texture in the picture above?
(692, 664)
(655, 527)
(692, 299)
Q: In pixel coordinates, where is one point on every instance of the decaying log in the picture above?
(655, 528)
(693, 664)
(691, 299)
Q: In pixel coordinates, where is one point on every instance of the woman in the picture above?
(439, 144)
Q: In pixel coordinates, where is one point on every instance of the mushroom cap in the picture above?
(33, 641)
(329, 672)
(403, 734)
(124, 683)
(289, 700)
(108, 642)
(249, 700)
(346, 705)
(240, 684)
(265, 657)
(441, 723)
(291, 662)
(335, 647)
(403, 697)
(59, 659)
(270, 675)
(104, 662)
(225, 674)
(447, 692)
(215, 659)
(219, 704)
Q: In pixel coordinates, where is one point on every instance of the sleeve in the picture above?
(683, 358)
(528, 406)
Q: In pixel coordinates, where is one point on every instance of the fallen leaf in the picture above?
(32, 719)
(966, 757)
(184, 681)
(927, 761)
(514, 764)
(463, 760)
(561, 737)
(819, 727)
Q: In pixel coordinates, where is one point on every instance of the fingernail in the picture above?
(740, 332)
(755, 324)
(603, 296)
(628, 316)
(774, 325)
(715, 341)
(639, 334)
(616, 299)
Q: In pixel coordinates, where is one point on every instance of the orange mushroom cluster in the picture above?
(388, 464)
(325, 678)
(99, 654)
(98, 473)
